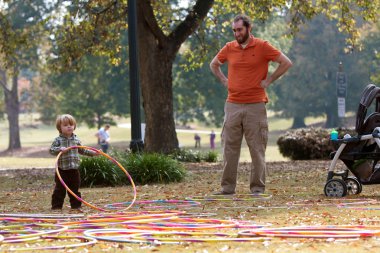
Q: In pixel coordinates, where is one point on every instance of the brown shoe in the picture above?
(223, 193)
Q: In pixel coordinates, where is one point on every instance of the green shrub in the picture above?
(99, 171)
(194, 156)
(143, 168)
(210, 156)
(309, 143)
(154, 168)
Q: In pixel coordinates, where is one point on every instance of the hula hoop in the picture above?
(119, 218)
(359, 208)
(316, 232)
(87, 241)
(236, 197)
(134, 214)
(332, 202)
(193, 237)
(40, 215)
(184, 224)
(113, 235)
(197, 215)
(140, 236)
(175, 204)
(29, 233)
(107, 156)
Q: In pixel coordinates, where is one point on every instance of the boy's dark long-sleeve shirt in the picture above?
(70, 159)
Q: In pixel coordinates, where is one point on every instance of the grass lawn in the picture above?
(36, 135)
(294, 198)
(297, 200)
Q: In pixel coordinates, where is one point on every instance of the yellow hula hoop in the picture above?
(110, 158)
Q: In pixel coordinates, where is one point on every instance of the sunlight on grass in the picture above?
(26, 162)
(35, 134)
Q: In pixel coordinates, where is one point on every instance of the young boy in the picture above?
(68, 162)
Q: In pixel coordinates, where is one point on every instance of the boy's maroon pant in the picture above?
(72, 180)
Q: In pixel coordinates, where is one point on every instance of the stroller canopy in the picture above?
(367, 125)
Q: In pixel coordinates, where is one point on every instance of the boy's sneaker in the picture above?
(56, 210)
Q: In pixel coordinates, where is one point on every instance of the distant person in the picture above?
(68, 162)
(197, 139)
(212, 139)
(248, 60)
(104, 137)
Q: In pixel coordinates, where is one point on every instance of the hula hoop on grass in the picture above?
(20, 233)
(85, 241)
(161, 203)
(236, 197)
(107, 156)
(316, 232)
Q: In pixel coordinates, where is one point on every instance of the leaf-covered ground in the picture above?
(297, 200)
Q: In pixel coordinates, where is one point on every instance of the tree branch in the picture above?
(150, 19)
(191, 22)
(3, 78)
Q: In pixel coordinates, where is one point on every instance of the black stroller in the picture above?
(360, 154)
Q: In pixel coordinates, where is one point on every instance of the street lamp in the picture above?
(136, 143)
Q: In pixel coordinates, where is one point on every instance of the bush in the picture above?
(154, 168)
(143, 168)
(194, 156)
(99, 171)
(309, 143)
(210, 157)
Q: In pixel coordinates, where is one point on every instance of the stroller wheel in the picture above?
(335, 188)
(353, 185)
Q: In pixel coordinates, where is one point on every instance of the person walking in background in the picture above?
(212, 139)
(245, 108)
(197, 139)
(68, 162)
(104, 137)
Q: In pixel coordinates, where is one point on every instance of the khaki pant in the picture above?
(249, 120)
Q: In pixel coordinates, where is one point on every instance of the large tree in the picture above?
(310, 88)
(94, 94)
(163, 26)
(21, 28)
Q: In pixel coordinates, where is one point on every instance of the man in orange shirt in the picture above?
(245, 113)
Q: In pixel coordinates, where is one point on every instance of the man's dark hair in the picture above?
(246, 20)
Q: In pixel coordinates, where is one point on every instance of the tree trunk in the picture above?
(12, 110)
(298, 122)
(157, 53)
(156, 89)
(332, 119)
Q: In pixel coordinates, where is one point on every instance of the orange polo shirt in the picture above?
(247, 67)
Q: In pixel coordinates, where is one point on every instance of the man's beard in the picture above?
(243, 39)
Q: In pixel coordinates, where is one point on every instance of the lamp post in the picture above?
(136, 143)
(341, 91)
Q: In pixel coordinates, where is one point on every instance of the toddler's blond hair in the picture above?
(65, 118)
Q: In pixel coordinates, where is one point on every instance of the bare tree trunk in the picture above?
(12, 110)
(157, 52)
(298, 122)
(156, 90)
(332, 119)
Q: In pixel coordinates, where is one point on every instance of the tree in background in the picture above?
(371, 38)
(22, 26)
(162, 28)
(310, 86)
(93, 94)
